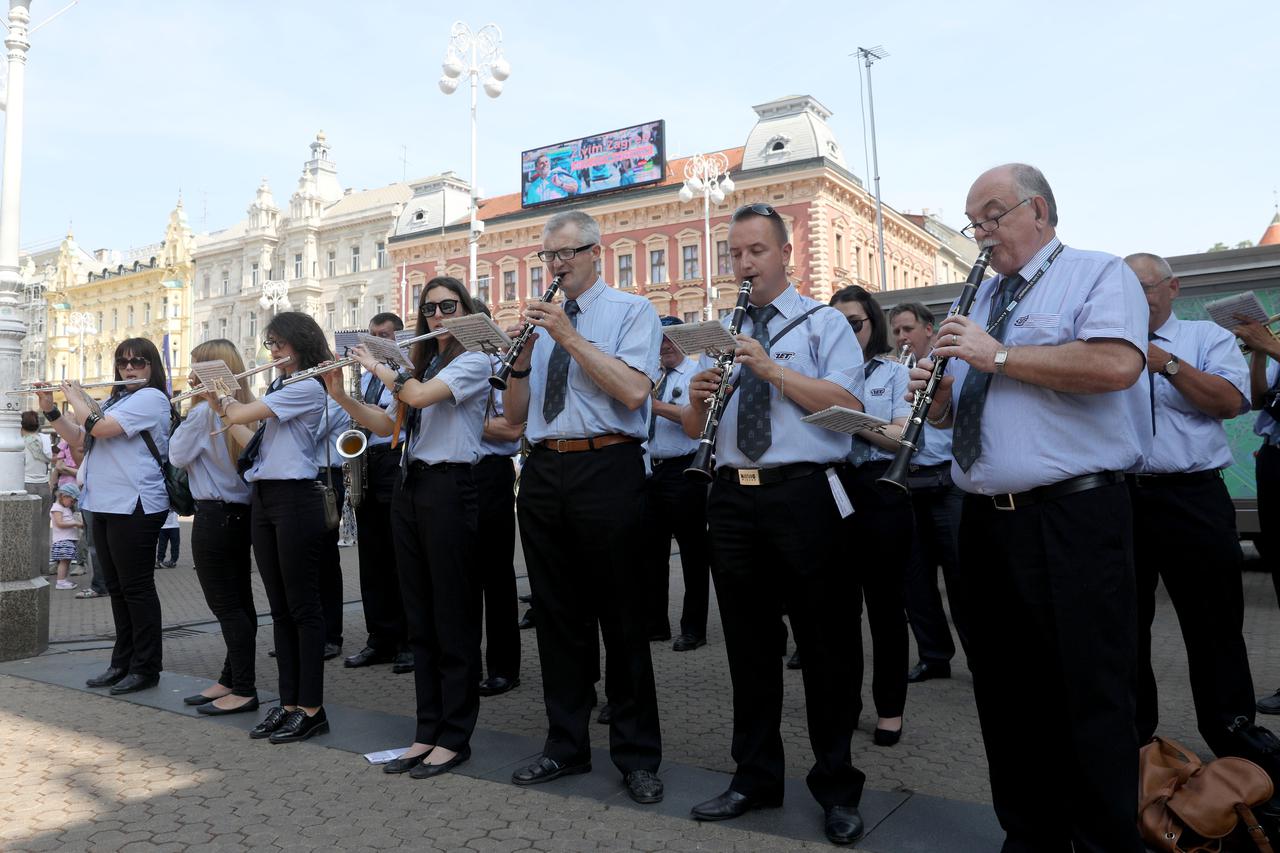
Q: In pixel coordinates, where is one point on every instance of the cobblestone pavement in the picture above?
(86, 773)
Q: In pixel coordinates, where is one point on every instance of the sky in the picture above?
(1156, 123)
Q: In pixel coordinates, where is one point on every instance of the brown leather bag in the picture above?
(1190, 807)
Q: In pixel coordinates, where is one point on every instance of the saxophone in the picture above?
(351, 447)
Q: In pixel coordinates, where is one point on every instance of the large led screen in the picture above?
(630, 157)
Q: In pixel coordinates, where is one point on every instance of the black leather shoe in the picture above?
(643, 786)
(498, 684)
(545, 769)
(404, 765)
(886, 737)
(332, 650)
(402, 663)
(731, 804)
(1267, 705)
(270, 723)
(426, 771)
(687, 643)
(212, 710)
(843, 824)
(526, 621)
(794, 662)
(659, 636)
(924, 671)
(108, 678)
(198, 699)
(132, 683)
(367, 656)
(605, 717)
(298, 726)
(271, 653)
(526, 599)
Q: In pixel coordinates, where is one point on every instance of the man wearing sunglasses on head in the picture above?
(774, 515)
(583, 383)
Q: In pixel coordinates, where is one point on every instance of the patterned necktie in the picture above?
(657, 395)
(373, 393)
(755, 433)
(966, 432)
(558, 371)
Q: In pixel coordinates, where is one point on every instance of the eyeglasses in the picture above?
(272, 343)
(992, 224)
(562, 254)
(759, 209)
(446, 306)
(137, 362)
(856, 322)
(1147, 288)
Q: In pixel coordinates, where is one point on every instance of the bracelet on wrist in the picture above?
(941, 419)
(52, 415)
(521, 374)
(91, 422)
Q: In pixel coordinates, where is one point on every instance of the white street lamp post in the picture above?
(474, 53)
(275, 295)
(870, 55)
(81, 323)
(707, 174)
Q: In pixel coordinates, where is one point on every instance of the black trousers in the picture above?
(220, 540)
(1185, 534)
(1267, 476)
(126, 546)
(580, 526)
(495, 479)
(783, 541)
(331, 568)
(1054, 639)
(379, 579)
(880, 526)
(674, 505)
(434, 523)
(171, 537)
(289, 538)
(936, 543)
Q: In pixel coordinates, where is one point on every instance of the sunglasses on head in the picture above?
(137, 362)
(759, 209)
(446, 306)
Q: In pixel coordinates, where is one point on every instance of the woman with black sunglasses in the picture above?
(288, 522)
(125, 491)
(883, 524)
(434, 523)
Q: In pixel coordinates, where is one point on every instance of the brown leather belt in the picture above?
(577, 445)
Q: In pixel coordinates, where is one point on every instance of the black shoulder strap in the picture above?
(155, 451)
(796, 322)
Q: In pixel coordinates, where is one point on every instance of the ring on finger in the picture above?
(955, 339)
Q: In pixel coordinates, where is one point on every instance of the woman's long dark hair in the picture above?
(878, 340)
(130, 347)
(425, 351)
(302, 333)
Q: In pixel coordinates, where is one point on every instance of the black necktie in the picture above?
(1151, 384)
(373, 393)
(966, 432)
(558, 371)
(657, 395)
(755, 433)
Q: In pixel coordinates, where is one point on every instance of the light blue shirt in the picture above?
(1186, 438)
(823, 346)
(669, 439)
(334, 421)
(1265, 425)
(288, 449)
(884, 396)
(936, 448)
(210, 469)
(622, 325)
(1033, 436)
(449, 431)
(121, 470)
(384, 401)
(494, 409)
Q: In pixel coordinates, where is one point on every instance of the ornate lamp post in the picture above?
(473, 54)
(707, 174)
(275, 295)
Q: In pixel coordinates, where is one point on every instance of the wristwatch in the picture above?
(1002, 355)
(401, 378)
(1171, 367)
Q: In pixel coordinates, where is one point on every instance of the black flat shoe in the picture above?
(198, 699)
(366, 657)
(886, 737)
(212, 710)
(605, 717)
(269, 723)
(794, 662)
(643, 786)
(926, 671)
(1266, 705)
(526, 621)
(843, 824)
(404, 765)
(133, 683)
(498, 684)
(108, 678)
(524, 599)
(402, 663)
(426, 771)
(688, 642)
(298, 726)
(731, 804)
(332, 650)
(545, 769)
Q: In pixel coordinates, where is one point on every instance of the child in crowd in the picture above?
(64, 534)
(169, 535)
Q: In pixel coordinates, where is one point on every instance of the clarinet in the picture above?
(499, 379)
(704, 458)
(896, 475)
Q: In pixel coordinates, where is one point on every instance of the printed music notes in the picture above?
(478, 333)
(697, 338)
(344, 340)
(215, 376)
(840, 419)
(385, 351)
(1224, 311)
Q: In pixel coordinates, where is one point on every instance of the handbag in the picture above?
(1186, 806)
(332, 516)
(176, 482)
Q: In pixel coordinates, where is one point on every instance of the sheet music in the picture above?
(344, 340)
(385, 351)
(385, 756)
(840, 419)
(1225, 310)
(697, 338)
(405, 334)
(478, 333)
(216, 376)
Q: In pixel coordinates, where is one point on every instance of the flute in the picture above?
(200, 389)
(36, 388)
(313, 372)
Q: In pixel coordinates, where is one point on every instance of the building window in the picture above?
(840, 250)
(626, 271)
(253, 325)
(724, 263)
(417, 298)
(204, 331)
(253, 274)
(353, 313)
(207, 291)
(379, 305)
(129, 318)
(330, 314)
(99, 327)
(482, 288)
(146, 313)
(173, 307)
(657, 266)
(222, 328)
(297, 265)
(226, 282)
(509, 285)
(380, 255)
(535, 283)
(721, 313)
(689, 262)
(331, 265)
(355, 258)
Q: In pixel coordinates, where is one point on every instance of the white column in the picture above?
(12, 326)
